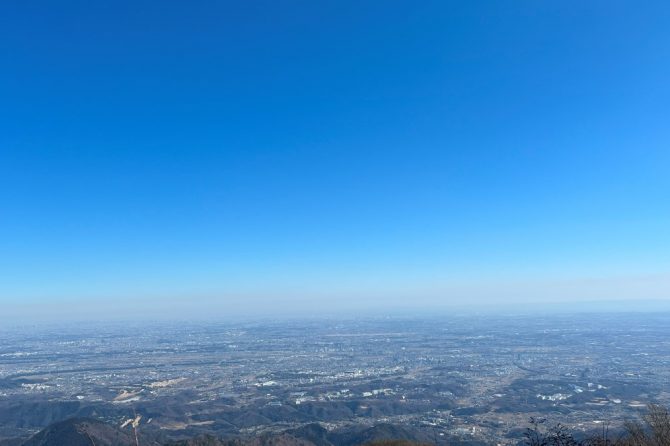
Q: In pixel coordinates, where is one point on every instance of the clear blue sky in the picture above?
(333, 154)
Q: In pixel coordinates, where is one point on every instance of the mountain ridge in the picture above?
(87, 431)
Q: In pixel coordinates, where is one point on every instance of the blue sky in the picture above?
(333, 155)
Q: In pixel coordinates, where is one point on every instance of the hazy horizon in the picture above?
(73, 313)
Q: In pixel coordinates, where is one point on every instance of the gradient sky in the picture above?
(332, 154)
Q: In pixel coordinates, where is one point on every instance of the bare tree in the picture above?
(654, 430)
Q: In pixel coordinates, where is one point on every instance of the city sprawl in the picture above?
(452, 377)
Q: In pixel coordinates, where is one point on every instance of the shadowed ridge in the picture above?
(281, 439)
(83, 432)
(202, 440)
(378, 433)
(313, 432)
